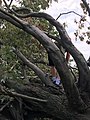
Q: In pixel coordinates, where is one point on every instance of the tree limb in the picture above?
(68, 13)
(15, 94)
(38, 71)
(55, 54)
(67, 44)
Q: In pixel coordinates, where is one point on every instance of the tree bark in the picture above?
(61, 65)
(37, 71)
(58, 59)
(65, 41)
(52, 105)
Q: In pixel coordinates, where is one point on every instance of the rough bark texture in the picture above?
(56, 105)
(49, 102)
(67, 44)
(37, 71)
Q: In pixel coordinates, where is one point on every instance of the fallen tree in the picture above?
(49, 100)
(43, 103)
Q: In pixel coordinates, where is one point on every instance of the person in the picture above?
(54, 74)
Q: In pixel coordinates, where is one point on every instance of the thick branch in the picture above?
(65, 38)
(8, 6)
(10, 18)
(55, 107)
(67, 44)
(57, 57)
(53, 104)
(38, 71)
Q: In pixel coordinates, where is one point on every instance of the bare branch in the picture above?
(15, 94)
(5, 3)
(26, 15)
(2, 108)
(10, 18)
(68, 13)
(8, 6)
(10, 3)
(38, 71)
(24, 9)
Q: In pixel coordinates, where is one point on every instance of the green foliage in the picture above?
(83, 24)
(37, 5)
(11, 65)
(83, 7)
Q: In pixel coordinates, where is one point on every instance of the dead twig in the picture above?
(4, 106)
(15, 94)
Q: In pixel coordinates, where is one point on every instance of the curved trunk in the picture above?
(65, 41)
(57, 57)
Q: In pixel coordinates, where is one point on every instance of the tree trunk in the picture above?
(70, 88)
(65, 41)
(53, 106)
